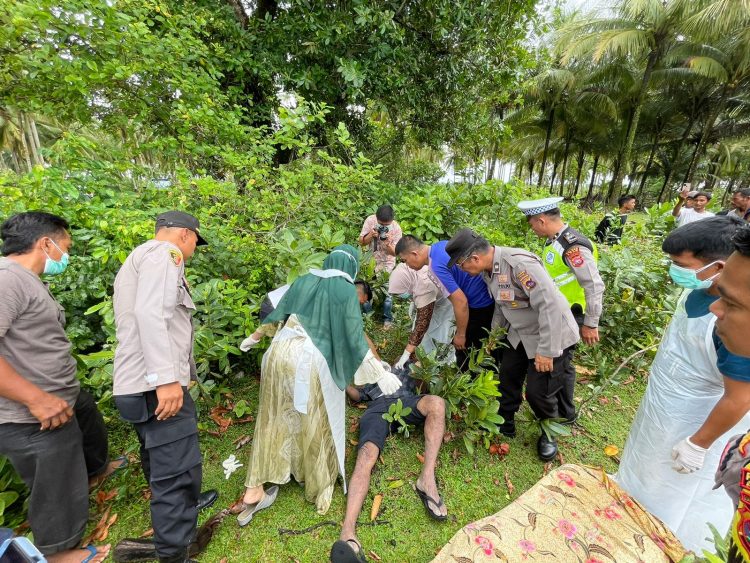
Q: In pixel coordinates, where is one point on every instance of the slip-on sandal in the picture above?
(269, 497)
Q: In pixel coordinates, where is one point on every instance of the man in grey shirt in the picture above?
(50, 429)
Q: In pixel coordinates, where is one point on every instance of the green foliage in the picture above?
(12, 493)
(470, 396)
(395, 415)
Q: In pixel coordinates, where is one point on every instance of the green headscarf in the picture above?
(328, 309)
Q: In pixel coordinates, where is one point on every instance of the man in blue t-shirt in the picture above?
(473, 305)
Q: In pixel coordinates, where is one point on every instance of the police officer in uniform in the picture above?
(153, 366)
(570, 259)
(541, 329)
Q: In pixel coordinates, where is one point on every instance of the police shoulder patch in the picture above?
(175, 256)
(524, 278)
(574, 257)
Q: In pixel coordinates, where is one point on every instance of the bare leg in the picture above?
(433, 408)
(359, 484)
(253, 494)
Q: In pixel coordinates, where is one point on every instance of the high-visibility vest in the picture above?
(560, 272)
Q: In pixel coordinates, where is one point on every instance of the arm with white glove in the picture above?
(262, 331)
(688, 457)
(401, 362)
(389, 383)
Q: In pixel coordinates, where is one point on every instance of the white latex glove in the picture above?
(230, 465)
(402, 360)
(687, 457)
(386, 365)
(389, 383)
(249, 342)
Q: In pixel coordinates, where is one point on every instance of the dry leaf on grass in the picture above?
(509, 484)
(629, 380)
(221, 421)
(611, 450)
(560, 458)
(547, 468)
(101, 531)
(375, 556)
(105, 496)
(242, 441)
(581, 370)
(603, 401)
(147, 534)
(420, 457)
(353, 423)
(375, 507)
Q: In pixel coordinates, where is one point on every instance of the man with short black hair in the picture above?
(473, 306)
(50, 429)
(697, 212)
(740, 204)
(541, 330)
(694, 398)
(382, 232)
(610, 229)
(152, 369)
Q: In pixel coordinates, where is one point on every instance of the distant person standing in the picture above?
(152, 369)
(740, 205)
(382, 232)
(684, 214)
(610, 229)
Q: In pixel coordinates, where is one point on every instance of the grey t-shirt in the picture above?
(33, 340)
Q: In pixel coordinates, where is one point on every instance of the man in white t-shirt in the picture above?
(686, 215)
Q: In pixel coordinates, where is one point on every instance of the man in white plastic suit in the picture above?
(694, 401)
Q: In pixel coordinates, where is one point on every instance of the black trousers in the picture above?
(480, 323)
(55, 465)
(171, 461)
(549, 394)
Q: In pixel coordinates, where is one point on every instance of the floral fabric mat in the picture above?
(575, 513)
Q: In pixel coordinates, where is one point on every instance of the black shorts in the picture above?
(374, 428)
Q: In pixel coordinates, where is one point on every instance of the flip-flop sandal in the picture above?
(343, 552)
(99, 479)
(93, 551)
(426, 500)
(268, 498)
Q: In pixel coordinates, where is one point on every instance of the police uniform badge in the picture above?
(574, 257)
(550, 257)
(526, 280)
(175, 256)
(570, 237)
(502, 278)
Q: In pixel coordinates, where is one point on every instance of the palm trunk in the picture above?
(35, 136)
(675, 157)
(653, 58)
(707, 129)
(531, 170)
(564, 165)
(649, 162)
(611, 189)
(24, 144)
(581, 160)
(554, 173)
(730, 186)
(590, 195)
(633, 173)
(547, 137)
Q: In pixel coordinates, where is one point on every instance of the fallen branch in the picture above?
(288, 532)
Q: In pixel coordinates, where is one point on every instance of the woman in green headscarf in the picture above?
(319, 347)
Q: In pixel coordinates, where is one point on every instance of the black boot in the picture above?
(546, 448)
(181, 557)
(508, 429)
(207, 498)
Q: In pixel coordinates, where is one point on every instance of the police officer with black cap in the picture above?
(541, 330)
(153, 366)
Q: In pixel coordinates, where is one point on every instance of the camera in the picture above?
(383, 231)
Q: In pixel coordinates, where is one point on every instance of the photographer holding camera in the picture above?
(382, 233)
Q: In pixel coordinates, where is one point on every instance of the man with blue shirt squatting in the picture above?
(473, 305)
(541, 330)
(698, 395)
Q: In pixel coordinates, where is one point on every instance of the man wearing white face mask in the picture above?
(693, 401)
(50, 429)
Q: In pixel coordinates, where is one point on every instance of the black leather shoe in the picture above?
(508, 429)
(207, 498)
(546, 448)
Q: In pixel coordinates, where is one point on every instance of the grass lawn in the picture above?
(473, 486)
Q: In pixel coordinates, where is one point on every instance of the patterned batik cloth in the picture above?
(573, 514)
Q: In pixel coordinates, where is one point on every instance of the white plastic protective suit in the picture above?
(683, 387)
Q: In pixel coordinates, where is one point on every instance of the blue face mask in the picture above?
(55, 267)
(685, 277)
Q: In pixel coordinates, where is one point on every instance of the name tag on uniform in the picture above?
(502, 278)
(507, 295)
